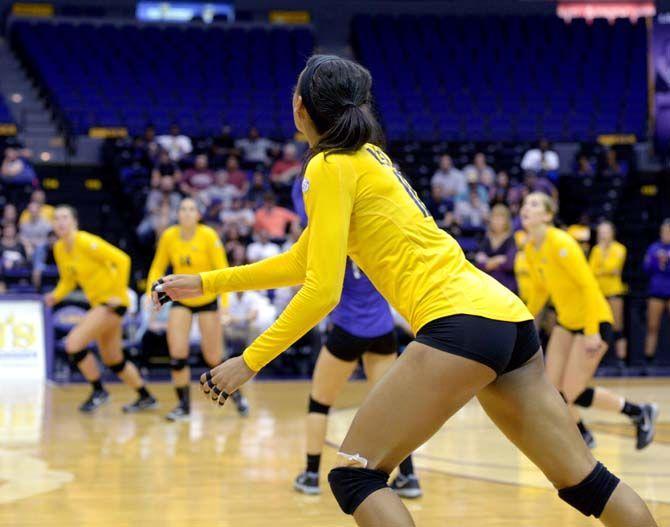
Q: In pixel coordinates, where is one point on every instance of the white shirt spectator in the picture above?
(243, 219)
(450, 183)
(176, 145)
(537, 160)
(260, 250)
(254, 147)
(250, 314)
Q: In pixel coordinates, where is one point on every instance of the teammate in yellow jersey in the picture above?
(190, 247)
(606, 260)
(473, 336)
(580, 339)
(102, 271)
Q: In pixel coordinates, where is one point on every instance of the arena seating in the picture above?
(5, 116)
(494, 78)
(127, 75)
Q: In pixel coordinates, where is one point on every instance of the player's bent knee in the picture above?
(76, 358)
(72, 346)
(178, 364)
(119, 367)
(315, 407)
(352, 485)
(591, 495)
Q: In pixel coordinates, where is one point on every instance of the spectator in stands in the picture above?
(535, 183)
(273, 219)
(35, 230)
(235, 249)
(164, 167)
(285, 169)
(473, 212)
(485, 174)
(177, 144)
(473, 183)
(46, 212)
(542, 160)
(258, 189)
(236, 176)
(16, 174)
(447, 181)
(198, 178)
(160, 211)
(249, 314)
(13, 254)
(497, 251)
(262, 248)
(9, 214)
(44, 260)
(238, 216)
(614, 168)
(500, 193)
(223, 146)
(222, 192)
(657, 266)
(255, 148)
(438, 204)
(584, 167)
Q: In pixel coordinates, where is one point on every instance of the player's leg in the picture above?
(530, 412)
(178, 332)
(655, 308)
(558, 351)
(330, 375)
(620, 342)
(111, 351)
(77, 342)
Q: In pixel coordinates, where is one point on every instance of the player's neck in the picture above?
(312, 136)
(187, 232)
(537, 234)
(69, 238)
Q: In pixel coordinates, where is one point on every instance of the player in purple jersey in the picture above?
(657, 266)
(361, 327)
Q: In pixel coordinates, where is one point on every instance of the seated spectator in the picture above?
(614, 168)
(497, 251)
(284, 170)
(175, 143)
(501, 189)
(447, 182)
(254, 148)
(34, 231)
(198, 178)
(13, 255)
(223, 146)
(9, 214)
(438, 204)
(584, 167)
(258, 189)
(150, 142)
(262, 248)
(541, 160)
(472, 213)
(16, 175)
(273, 219)
(46, 211)
(44, 261)
(472, 178)
(235, 249)
(164, 167)
(249, 313)
(236, 176)
(485, 174)
(238, 216)
(535, 183)
(221, 192)
(160, 210)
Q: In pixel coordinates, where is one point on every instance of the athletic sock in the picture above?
(581, 427)
(143, 392)
(97, 386)
(184, 395)
(313, 462)
(406, 466)
(632, 410)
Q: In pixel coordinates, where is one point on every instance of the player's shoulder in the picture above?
(619, 247)
(206, 232)
(87, 238)
(170, 232)
(560, 237)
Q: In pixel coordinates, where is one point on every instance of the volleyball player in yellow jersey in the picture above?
(521, 272)
(190, 247)
(578, 342)
(606, 260)
(102, 271)
(473, 336)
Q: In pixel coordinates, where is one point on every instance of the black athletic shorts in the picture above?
(502, 346)
(606, 332)
(348, 347)
(211, 306)
(118, 310)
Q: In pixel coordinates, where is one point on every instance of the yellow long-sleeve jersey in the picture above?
(522, 275)
(100, 269)
(358, 204)
(559, 271)
(203, 252)
(607, 267)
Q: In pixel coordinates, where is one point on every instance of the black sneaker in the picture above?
(307, 483)
(241, 404)
(142, 403)
(646, 425)
(588, 438)
(96, 399)
(180, 413)
(406, 486)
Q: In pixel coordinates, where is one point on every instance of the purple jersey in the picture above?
(659, 273)
(362, 311)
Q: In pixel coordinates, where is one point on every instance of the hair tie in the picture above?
(350, 104)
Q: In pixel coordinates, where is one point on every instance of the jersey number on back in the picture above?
(384, 160)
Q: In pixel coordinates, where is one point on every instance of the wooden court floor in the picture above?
(60, 468)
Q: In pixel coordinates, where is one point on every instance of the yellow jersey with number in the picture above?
(202, 252)
(101, 270)
(607, 267)
(360, 205)
(558, 270)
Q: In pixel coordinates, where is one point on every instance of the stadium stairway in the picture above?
(37, 130)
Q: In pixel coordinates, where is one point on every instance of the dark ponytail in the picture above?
(337, 95)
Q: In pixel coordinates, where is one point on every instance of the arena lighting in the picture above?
(609, 10)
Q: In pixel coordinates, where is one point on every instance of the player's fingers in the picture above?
(206, 383)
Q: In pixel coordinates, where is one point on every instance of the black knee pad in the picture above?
(76, 358)
(178, 364)
(585, 399)
(591, 495)
(117, 368)
(315, 407)
(351, 486)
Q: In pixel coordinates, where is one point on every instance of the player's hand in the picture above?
(218, 383)
(175, 287)
(594, 344)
